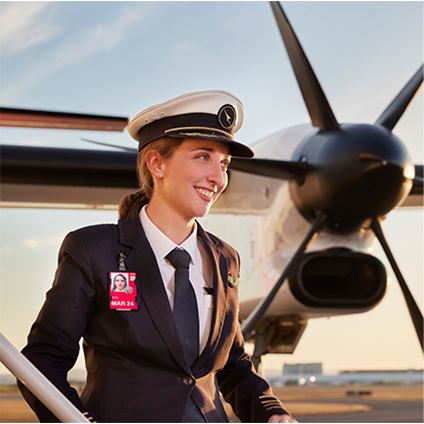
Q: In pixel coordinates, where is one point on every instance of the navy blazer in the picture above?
(137, 370)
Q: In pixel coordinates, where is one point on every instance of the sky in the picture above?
(118, 58)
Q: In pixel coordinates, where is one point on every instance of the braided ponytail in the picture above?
(129, 203)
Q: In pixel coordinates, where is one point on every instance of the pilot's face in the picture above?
(195, 176)
(119, 283)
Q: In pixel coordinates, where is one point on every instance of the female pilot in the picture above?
(166, 357)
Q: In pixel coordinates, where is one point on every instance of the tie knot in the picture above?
(179, 258)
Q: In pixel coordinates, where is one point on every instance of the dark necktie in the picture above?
(185, 305)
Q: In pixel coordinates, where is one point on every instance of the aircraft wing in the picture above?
(65, 178)
(98, 179)
(30, 118)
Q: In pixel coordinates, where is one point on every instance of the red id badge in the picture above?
(123, 290)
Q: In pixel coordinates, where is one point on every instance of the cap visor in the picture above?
(234, 147)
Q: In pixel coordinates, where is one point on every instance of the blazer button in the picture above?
(188, 381)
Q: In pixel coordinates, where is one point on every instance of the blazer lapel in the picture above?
(152, 291)
(220, 267)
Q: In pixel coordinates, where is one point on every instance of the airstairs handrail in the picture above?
(39, 385)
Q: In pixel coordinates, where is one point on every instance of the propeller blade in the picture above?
(390, 117)
(253, 319)
(284, 170)
(414, 311)
(59, 120)
(318, 107)
(125, 149)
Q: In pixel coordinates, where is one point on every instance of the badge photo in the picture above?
(123, 290)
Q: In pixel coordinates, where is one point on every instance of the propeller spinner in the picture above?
(356, 174)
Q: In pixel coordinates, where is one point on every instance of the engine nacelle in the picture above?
(339, 278)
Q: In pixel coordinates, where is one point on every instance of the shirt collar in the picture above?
(162, 244)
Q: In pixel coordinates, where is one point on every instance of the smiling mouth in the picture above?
(205, 193)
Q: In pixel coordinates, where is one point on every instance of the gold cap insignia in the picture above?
(227, 117)
(233, 281)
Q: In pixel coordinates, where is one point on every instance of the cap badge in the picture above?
(227, 116)
(233, 281)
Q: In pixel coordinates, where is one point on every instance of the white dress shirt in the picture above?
(200, 271)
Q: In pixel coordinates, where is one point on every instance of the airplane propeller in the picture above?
(352, 175)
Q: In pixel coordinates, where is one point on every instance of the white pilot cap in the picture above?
(206, 115)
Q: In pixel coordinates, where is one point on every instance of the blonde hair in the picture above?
(165, 147)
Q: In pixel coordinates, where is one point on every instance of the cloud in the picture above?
(41, 244)
(31, 243)
(79, 47)
(103, 37)
(24, 25)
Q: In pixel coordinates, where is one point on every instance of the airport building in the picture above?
(311, 374)
(302, 369)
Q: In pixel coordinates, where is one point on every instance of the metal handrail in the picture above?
(38, 384)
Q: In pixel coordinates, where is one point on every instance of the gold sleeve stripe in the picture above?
(88, 418)
(269, 407)
(270, 401)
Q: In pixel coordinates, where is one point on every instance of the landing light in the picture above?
(370, 249)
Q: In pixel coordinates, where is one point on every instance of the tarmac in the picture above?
(381, 404)
(379, 412)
